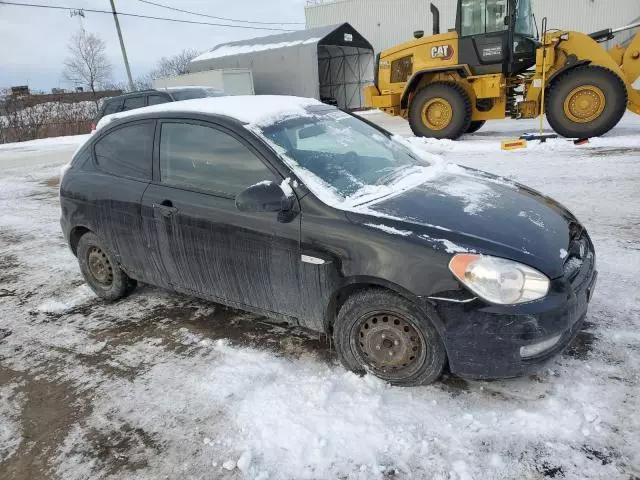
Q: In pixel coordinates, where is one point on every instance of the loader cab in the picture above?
(496, 36)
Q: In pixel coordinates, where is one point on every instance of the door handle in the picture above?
(165, 208)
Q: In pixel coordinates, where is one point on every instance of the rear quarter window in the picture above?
(111, 107)
(132, 103)
(127, 151)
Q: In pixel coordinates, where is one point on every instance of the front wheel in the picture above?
(388, 336)
(440, 110)
(585, 102)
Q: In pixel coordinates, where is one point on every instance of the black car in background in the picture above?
(144, 98)
(298, 211)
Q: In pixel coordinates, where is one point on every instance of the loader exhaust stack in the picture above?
(436, 19)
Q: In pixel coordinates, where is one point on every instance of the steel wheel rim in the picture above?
(388, 345)
(437, 113)
(584, 103)
(99, 266)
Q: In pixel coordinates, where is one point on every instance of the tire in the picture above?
(101, 271)
(460, 115)
(559, 106)
(476, 125)
(394, 325)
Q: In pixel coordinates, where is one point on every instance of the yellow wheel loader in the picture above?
(495, 65)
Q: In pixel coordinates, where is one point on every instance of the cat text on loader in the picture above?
(493, 65)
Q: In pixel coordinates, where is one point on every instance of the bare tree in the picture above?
(175, 65)
(143, 82)
(87, 64)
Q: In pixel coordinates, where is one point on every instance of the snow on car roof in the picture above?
(252, 109)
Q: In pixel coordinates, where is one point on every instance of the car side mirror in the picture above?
(263, 197)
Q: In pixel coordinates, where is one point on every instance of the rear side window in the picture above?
(126, 151)
(206, 158)
(157, 99)
(133, 102)
(112, 107)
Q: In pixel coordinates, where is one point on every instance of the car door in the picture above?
(122, 170)
(208, 246)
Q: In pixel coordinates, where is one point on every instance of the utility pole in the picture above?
(124, 52)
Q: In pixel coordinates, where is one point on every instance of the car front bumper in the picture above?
(485, 341)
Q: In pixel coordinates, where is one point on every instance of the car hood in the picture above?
(472, 210)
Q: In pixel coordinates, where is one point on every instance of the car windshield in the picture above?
(353, 158)
(191, 93)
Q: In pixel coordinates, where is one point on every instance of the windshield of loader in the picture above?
(488, 16)
(482, 16)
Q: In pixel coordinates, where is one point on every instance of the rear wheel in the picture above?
(586, 102)
(476, 125)
(389, 337)
(100, 269)
(440, 110)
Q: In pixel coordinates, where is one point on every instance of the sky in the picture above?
(33, 41)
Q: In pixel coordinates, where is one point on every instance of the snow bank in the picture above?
(365, 113)
(45, 144)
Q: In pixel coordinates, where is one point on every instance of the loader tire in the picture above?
(586, 101)
(474, 126)
(440, 110)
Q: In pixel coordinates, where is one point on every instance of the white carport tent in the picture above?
(332, 64)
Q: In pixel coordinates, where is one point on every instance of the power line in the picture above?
(149, 17)
(218, 18)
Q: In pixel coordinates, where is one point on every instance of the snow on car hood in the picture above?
(484, 213)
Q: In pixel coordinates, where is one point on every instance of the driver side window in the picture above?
(205, 158)
(483, 16)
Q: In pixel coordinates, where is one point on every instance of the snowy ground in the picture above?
(165, 386)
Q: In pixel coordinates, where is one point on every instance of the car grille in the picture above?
(580, 259)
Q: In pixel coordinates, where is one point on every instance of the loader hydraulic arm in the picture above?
(628, 58)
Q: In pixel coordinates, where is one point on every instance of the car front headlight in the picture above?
(498, 280)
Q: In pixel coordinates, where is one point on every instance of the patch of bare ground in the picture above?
(50, 410)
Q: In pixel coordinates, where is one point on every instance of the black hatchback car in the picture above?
(299, 211)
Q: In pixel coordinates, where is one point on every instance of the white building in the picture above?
(385, 23)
